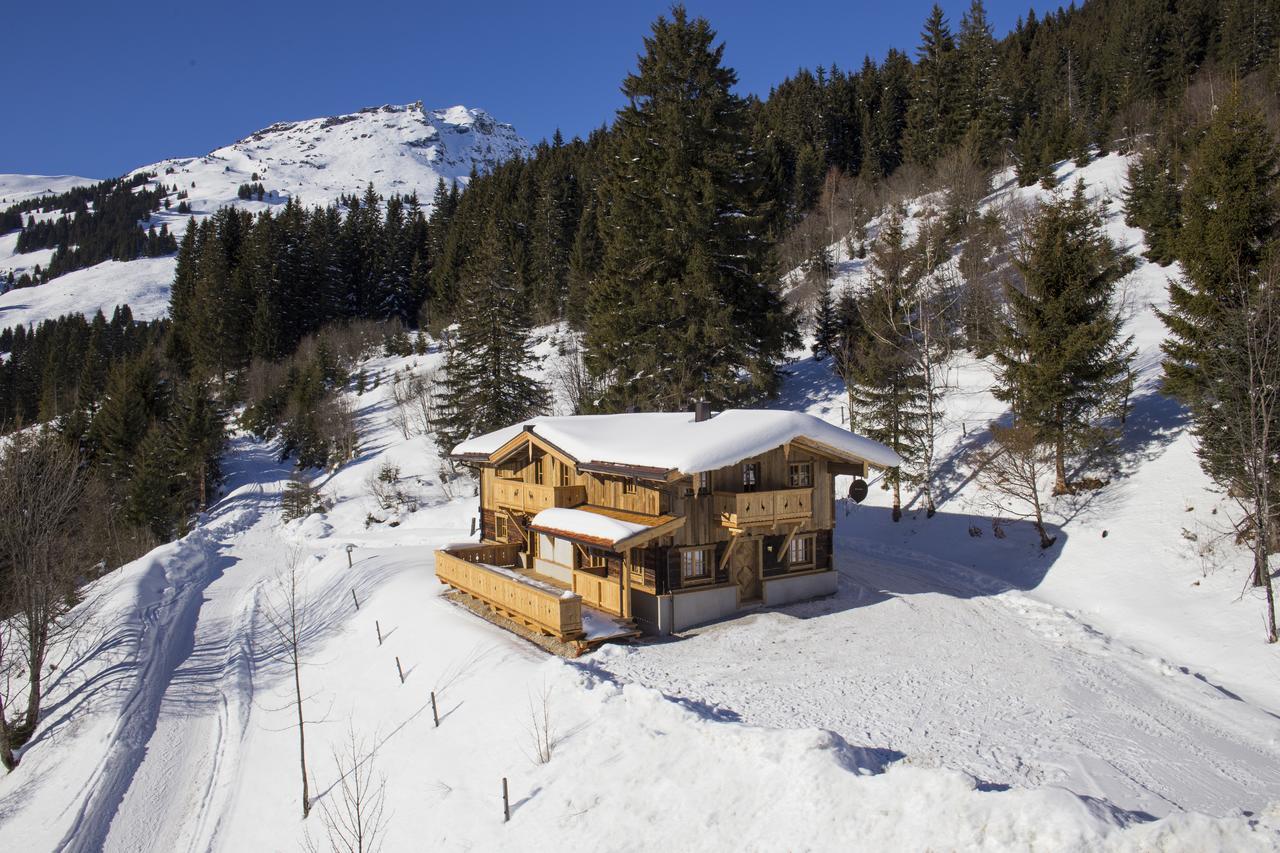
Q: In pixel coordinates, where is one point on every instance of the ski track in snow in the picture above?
(999, 685)
(164, 779)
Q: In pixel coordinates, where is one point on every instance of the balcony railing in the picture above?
(600, 592)
(538, 605)
(530, 497)
(758, 508)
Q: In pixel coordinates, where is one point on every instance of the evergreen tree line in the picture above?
(253, 286)
(149, 438)
(98, 223)
(61, 365)
(1048, 90)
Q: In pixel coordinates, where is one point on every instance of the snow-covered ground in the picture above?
(143, 285)
(18, 188)
(398, 149)
(958, 692)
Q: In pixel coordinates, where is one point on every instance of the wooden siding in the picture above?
(604, 490)
(537, 607)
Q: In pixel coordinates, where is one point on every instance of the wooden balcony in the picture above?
(750, 509)
(538, 605)
(531, 498)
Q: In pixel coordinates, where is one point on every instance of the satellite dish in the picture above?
(858, 490)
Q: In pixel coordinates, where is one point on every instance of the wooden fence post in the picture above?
(399, 669)
(434, 715)
(506, 803)
(378, 626)
(356, 600)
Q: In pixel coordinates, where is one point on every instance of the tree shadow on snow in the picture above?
(953, 554)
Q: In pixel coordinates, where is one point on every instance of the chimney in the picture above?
(701, 411)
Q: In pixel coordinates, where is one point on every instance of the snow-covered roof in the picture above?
(586, 525)
(674, 441)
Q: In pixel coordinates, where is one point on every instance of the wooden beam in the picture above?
(524, 534)
(786, 543)
(733, 541)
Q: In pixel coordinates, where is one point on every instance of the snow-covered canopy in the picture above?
(583, 524)
(674, 441)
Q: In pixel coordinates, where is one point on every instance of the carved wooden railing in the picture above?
(530, 497)
(754, 508)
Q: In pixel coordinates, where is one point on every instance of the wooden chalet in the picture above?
(660, 521)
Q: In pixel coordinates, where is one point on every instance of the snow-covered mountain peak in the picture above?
(398, 148)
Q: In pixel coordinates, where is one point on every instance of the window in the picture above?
(629, 486)
(704, 483)
(800, 553)
(553, 550)
(801, 475)
(538, 474)
(750, 476)
(566, 474)
(695, 565)
(637, 572)
(500, 527)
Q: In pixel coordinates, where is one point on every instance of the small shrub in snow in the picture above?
(300, 499)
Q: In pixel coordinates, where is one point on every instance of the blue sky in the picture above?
(98, 88)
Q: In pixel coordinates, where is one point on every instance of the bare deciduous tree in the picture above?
(336, 421)
(542, 738)
(355, 820)
(1011, 468)
(41, 484)
(572, 382)
(287, 613)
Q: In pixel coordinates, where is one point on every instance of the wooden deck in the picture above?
(516, 594)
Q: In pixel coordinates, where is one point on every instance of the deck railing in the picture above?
(602, 593)
(531, 497)
(538, 605)
(749, 508)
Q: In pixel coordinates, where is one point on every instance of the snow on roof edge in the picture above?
(674, 441)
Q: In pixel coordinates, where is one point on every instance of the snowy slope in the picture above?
(957, 692)
(143, 285)
(19, 188)
(399, 149)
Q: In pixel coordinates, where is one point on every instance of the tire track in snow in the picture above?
(151, 742)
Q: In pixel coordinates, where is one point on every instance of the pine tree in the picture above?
(149, 492)
(824, 323)
(1231, 213)
(1061, 357)
(196, 434)
(1227, 245)
(488, 358)
(931, 118)
(687, 302)
(980, 103)
(887, 388)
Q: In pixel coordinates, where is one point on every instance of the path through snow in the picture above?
(158, 785)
